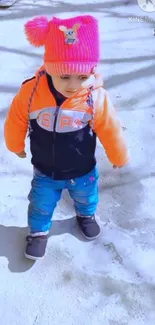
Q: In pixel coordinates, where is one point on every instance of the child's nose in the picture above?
(72, 86)
(72, 90)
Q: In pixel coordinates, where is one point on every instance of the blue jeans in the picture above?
(46, 192)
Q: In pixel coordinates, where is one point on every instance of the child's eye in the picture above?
(64, 77)
(83, 77)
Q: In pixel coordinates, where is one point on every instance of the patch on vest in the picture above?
(66, 120)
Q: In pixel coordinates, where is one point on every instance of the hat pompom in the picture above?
(36, 31)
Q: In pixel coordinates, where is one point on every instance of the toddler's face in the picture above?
(67, 85)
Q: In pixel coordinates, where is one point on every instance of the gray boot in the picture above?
(89, 227)
(36, 247)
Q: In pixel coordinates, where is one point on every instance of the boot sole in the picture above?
(33, 258)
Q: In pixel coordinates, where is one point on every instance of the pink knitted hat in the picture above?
(71, 45)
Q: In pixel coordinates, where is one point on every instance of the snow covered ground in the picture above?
(110, 281)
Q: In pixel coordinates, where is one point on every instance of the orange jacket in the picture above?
(33, 98)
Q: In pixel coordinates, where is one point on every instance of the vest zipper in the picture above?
(54, 133)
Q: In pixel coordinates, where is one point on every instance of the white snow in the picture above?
(109, 281)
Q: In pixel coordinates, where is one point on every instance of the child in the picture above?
(64, 106)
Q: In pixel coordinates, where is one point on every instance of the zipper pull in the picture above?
(56, 111)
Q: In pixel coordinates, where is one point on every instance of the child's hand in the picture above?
(114, 166)
(21, 154)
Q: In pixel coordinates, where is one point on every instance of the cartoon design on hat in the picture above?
(70, 33)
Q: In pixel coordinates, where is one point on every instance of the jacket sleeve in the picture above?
(16, 125)
(110, 133)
